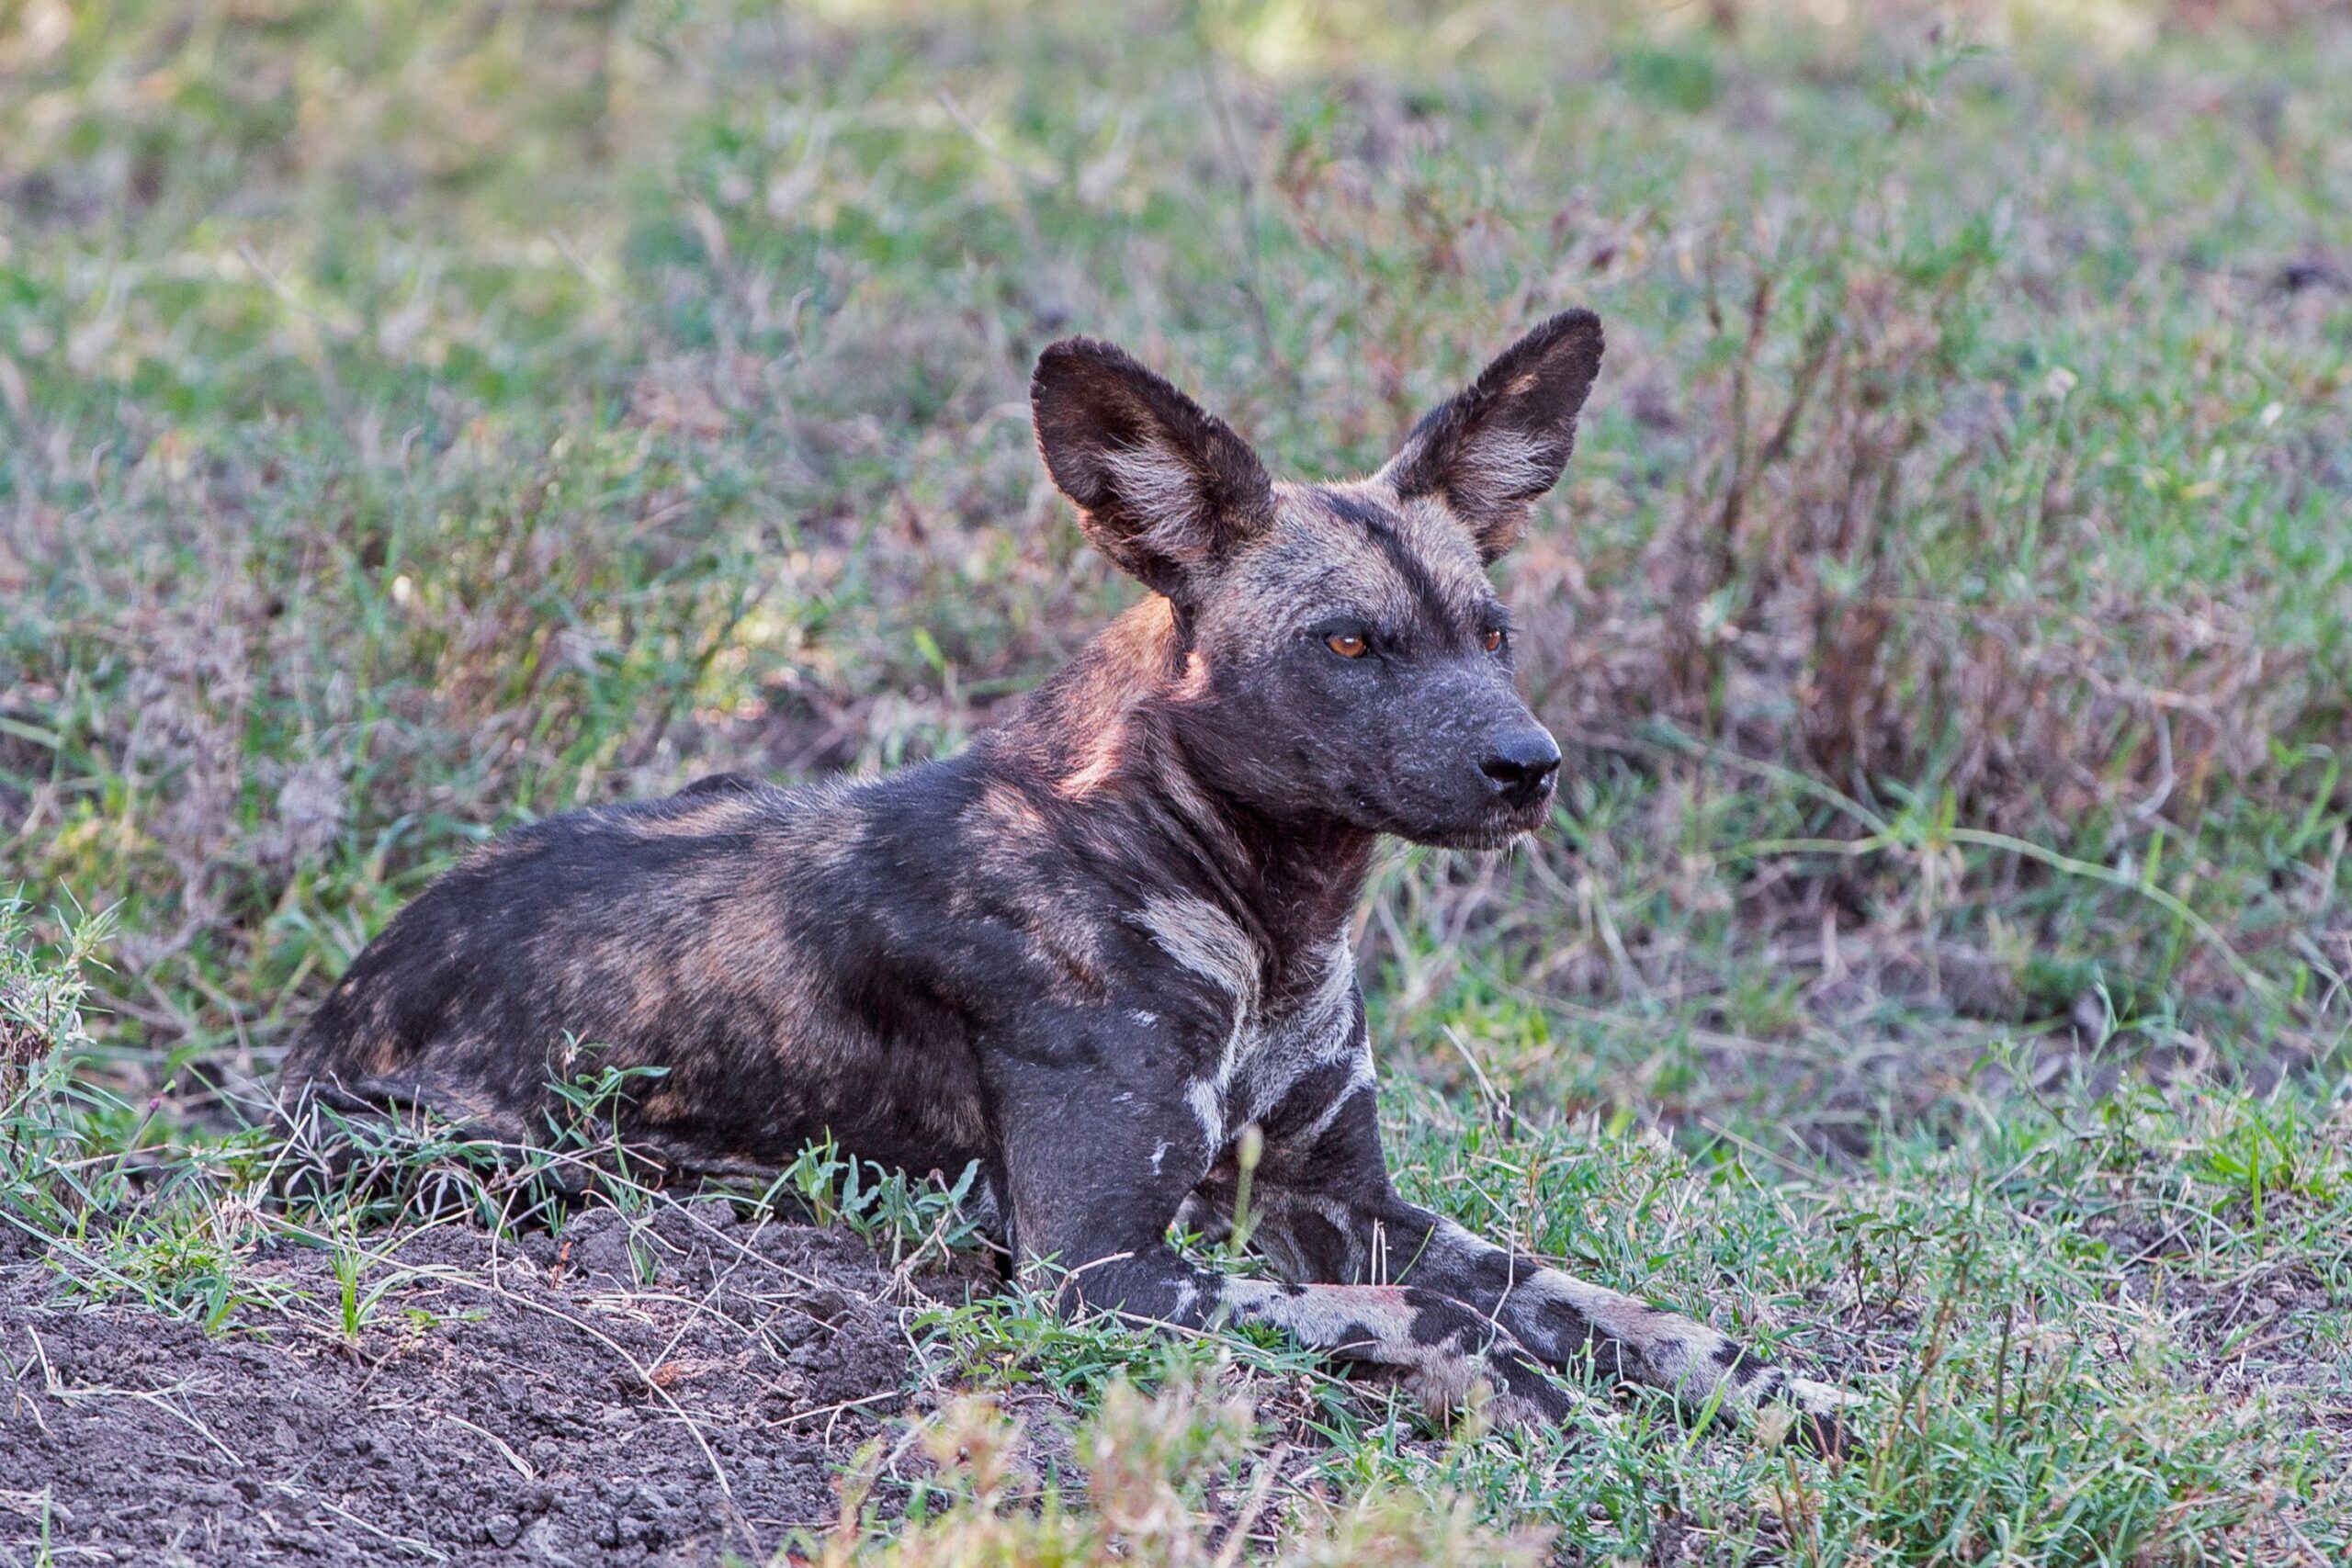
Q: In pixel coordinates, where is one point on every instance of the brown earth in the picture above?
(664, 1391)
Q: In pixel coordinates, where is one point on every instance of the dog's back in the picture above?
(713, 935)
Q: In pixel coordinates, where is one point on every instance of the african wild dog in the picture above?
(1094, 947)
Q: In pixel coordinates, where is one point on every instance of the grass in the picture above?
(414, 420)
(2051, 1318)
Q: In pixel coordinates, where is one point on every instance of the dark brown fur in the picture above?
(1092, 949)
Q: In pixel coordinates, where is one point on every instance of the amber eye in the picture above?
(1494, 641)
(1347, 645)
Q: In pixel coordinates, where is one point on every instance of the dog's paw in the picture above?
(1813, 1414)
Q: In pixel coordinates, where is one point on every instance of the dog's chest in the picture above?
(1275, 1046)
(1277, 1034)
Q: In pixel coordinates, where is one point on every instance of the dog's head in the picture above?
(1346, 657)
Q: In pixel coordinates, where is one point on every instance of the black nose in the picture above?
(1522, 765)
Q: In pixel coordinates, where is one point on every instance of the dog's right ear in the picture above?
(1164, 486)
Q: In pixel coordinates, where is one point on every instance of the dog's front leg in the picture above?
(1562, 1318)
(1096, 1161)
(1326, 1211)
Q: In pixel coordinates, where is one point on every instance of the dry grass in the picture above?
(1141, 1493)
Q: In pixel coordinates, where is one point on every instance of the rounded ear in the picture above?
(1502, 441)
(1163, 485)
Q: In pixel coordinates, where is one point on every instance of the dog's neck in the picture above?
(1102, 732)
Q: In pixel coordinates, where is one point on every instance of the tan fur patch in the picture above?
(1011, 832)
(824, 828)
(693, 820)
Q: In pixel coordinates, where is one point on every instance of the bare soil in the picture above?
(663, 1389)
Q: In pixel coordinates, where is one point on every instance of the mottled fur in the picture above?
(1093, 948)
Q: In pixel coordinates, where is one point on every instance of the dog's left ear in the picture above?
(1502, 441)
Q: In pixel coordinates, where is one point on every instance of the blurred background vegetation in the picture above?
(418, 417)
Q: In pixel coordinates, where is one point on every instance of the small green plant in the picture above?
(587, 1100)
(880, 1204)
(42, 992)
(357, 1304)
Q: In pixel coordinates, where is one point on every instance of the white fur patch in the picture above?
(1361, 1081)
(1821, 1398)
(1206, 941)
(1498, 466)
(1264, 1055)
(1273, 1053)
(1164, 491)
(1208, 1108)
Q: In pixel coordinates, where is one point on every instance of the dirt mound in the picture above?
(658, 1389)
